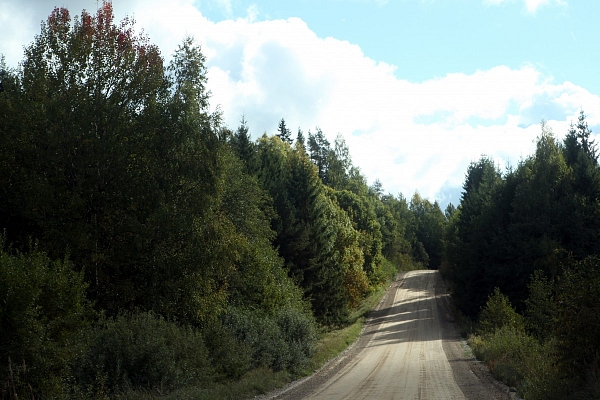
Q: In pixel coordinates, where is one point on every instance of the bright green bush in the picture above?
(142, 351)
(498, 313)
(43, 318)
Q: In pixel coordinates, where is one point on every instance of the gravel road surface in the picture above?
(409, 349)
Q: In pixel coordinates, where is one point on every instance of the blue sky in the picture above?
(417, 88)
(430, 38)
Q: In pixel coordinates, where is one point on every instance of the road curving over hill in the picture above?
(409, 349)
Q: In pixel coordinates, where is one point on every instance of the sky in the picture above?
(418, 89)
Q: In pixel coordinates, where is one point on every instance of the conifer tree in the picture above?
(320, 150)
(243, 147)
(284, 134)
(300, 137)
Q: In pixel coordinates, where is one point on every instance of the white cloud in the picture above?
(411, 135)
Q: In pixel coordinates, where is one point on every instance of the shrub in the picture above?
(231, 358)
(281, 342)
(498, 313)
(142, 351)
(299, 333)
(260, 335)
(519, 360)
(43, 317)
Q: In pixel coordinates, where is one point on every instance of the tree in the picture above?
(284, 134)
(578, 138)
(377, 188)
(583, 210)
(364, 219)
(429, 225)
(244, 148)
(340, 163)
(395, 219)
(449, 211)
(469, 241)
(300, 137)
(319, 150)
(116, 159)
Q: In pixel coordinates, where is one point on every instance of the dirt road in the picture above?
(410, 349)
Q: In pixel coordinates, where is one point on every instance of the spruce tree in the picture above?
(284, 134)
(244, 148)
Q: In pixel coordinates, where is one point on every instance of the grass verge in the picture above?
(333, 342)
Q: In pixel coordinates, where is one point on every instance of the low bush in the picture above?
(142, 351)
(506, 352)
(519, 360)
(300, 335)
(382, 273)
(282, 342)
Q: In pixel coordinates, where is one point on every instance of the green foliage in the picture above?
(340, 164)
(468, 237)
(395, 220)
(209, 255)
(44, 315)
(262, 337)
(321, 248)
(142, 351)
(577, 324)
(244, 148)
(533, 234)
(284, 134)
(114, 159)
(499, 313)
(428, 227)
(520, 361)
(298, 331)
(245, 339)
(320, 153)
(540, 314)
(364, 220)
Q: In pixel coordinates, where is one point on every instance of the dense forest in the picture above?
(147, 246)
(522, 255)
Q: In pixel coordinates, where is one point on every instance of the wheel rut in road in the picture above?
(409, 349)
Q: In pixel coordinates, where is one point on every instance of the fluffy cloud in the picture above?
(411, 135)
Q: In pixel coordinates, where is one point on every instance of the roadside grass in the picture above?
(254, 383)
(333, 342)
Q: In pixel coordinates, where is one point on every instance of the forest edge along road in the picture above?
(410, 348)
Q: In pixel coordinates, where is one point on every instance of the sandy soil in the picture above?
(409, 349)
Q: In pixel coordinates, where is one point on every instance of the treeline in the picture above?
(146, 246)
(530, 237)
